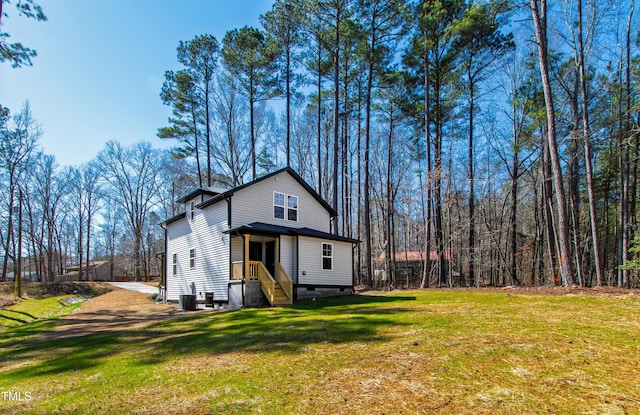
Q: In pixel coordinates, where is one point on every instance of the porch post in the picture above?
(246, 256)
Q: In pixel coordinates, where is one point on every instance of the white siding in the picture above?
(237, 248)
(255, 204)
(204, 234)
(288, 255)
(310, 253)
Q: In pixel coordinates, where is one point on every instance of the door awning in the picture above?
(266, 229)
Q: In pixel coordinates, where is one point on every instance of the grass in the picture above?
(28, 311)
(445, 352)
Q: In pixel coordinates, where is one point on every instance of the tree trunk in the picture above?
(288, 98)
(624, 168)
(319, 126)
(5, 262)
(208, 128)
(18, 273)
(389, 222)
(336, 119)
(254, 174)
(367, 144)
(566, 263)
(593, 215)
(513, 225)
(89, 278)
(196, 140)
(427, 138)
(547, 202)
(472, 230)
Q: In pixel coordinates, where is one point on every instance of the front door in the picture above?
(270, 257)
(255, 251)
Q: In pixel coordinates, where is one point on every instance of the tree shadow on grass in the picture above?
(351, 300)
(282, 330)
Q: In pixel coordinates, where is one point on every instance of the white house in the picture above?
(265, 242)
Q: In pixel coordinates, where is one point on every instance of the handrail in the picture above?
(283, 279)
(258, 272)
(236, 270)
(266, 280)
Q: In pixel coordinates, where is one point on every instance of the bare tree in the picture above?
(18, 141)
(132, 178)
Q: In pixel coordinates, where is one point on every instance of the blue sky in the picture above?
(101, 64)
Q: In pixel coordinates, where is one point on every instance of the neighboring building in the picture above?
(265, 242)
(409, 266)
(98, 271)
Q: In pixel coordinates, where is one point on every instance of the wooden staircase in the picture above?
(279, 291)
(279, 297)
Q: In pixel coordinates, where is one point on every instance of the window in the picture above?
(192, 258)
(327, 256)
(175, 264)
(278, 205)
(292, 208)
(192, 209)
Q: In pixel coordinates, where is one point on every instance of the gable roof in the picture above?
(291, 172)
(175, 218)
(196, 193)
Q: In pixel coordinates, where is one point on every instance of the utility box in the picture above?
(188, 302)
(208, 299)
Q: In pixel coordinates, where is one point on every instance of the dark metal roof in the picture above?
(196, 193)
(175, 218)
(259, 228)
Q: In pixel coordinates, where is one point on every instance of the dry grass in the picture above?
(419, 352)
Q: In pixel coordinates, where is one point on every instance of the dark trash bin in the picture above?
(187, 302)
(208, 299)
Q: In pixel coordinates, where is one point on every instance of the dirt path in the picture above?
(114, 311)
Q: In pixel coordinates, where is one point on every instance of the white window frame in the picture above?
(283, 206)
(192, 209)
(323, 256)
(192, 258)
(174, 263)
(286, 207)
(292, 209)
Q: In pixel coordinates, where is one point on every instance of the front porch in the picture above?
(260, 264)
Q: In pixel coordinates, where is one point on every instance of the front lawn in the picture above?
(436, 351)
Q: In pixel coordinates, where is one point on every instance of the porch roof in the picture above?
(259, 228)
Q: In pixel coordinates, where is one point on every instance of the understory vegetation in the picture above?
(433, 351)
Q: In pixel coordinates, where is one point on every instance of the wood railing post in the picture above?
(246, 256)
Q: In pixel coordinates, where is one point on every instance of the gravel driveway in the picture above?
(136, 286)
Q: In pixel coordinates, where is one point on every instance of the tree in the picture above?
(189, 91)
(231, 150)
(249, 55)
(383, 24)
(480, 43)
(18, 141)
(179, 91)
(132, 178)
(593, 216)
(432, 58)
(539, 14)
(17, 53)
(284, 24)
(90, 177)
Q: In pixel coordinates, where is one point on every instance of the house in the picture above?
(409, 266)
(98, 271)
(265, 242)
